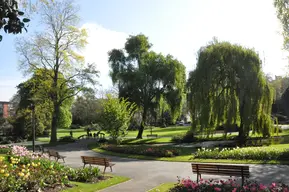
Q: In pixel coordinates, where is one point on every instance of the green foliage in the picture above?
(84, 174)
(84, 108)
(67, 139)
(145, 150)
(283, 16)
(56, 50)
(143, 76)
(189, 137)
(252, 153)
(228, 87)
(31, 92)
(115, 116)
(65, 118)
(10, 17)
(27, 174)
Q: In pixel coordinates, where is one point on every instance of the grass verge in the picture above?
(165, 187)
(87, 187)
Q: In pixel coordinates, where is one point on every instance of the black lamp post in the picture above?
(33, 126)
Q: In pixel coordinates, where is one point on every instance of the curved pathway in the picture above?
(147, 174)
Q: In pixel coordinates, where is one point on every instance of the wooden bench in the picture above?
(55, 154)
(218, 169)
(153, 135)
(97, 161)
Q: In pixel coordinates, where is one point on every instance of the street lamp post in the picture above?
(33, 126)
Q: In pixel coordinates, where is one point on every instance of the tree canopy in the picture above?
(56, 49)
(84, 109)
(229, 87)
(142, 76)
(115, 116)
(31, 92)
(11, 17)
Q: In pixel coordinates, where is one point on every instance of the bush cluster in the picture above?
(189, 137)
(90, 175)
(22, 170)
(67, 139)
(252, 153)
(147, 151)
(230, 185)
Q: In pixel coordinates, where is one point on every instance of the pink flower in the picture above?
(234, 190)
(273, 184)
(262, 187)
(217, 189)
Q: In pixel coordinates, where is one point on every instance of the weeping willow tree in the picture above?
(228, 87)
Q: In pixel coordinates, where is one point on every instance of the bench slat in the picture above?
(230, 170)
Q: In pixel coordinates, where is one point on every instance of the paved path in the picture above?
(147, 174)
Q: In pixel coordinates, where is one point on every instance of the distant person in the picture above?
(71, 134)
(88, 131)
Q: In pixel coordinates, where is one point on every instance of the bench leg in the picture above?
(110, 168)
(84, 165)
(104, 170)
(63, 160)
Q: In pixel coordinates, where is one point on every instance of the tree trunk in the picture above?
(241, 135)
(142, 126)
(54, 123)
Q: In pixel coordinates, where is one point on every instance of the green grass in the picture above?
(163, 187)
(87, 187)
(162, 132)
(186, 156)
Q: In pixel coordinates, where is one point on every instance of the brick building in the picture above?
(4, 109)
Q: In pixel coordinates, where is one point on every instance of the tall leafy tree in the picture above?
(115, 116)
(143, 76)
(56, 49)
(84, 109)
(31, 92)
(229, 87)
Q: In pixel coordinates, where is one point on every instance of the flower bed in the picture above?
(22, 170)
(144, 150)
(252, 153)
(230, 185)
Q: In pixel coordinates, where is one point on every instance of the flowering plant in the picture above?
(253, 153)
(144, 150)
(231, 185)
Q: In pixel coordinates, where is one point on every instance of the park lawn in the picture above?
(88, 187)
(161, 132)
(165, 187)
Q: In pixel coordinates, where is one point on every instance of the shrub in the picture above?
(73, 126)
(252, 153)
(4, 149)
(189, 137)
(16, 175)
(67, 139)
(148, 151)
(230, 185)
(84, 174)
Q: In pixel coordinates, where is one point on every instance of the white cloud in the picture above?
(100, 42)
(8, 87)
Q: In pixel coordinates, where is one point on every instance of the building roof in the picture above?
(4, 102)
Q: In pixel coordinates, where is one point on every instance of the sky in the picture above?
(176, 27)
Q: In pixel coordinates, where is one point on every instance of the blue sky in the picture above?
(177, 27)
